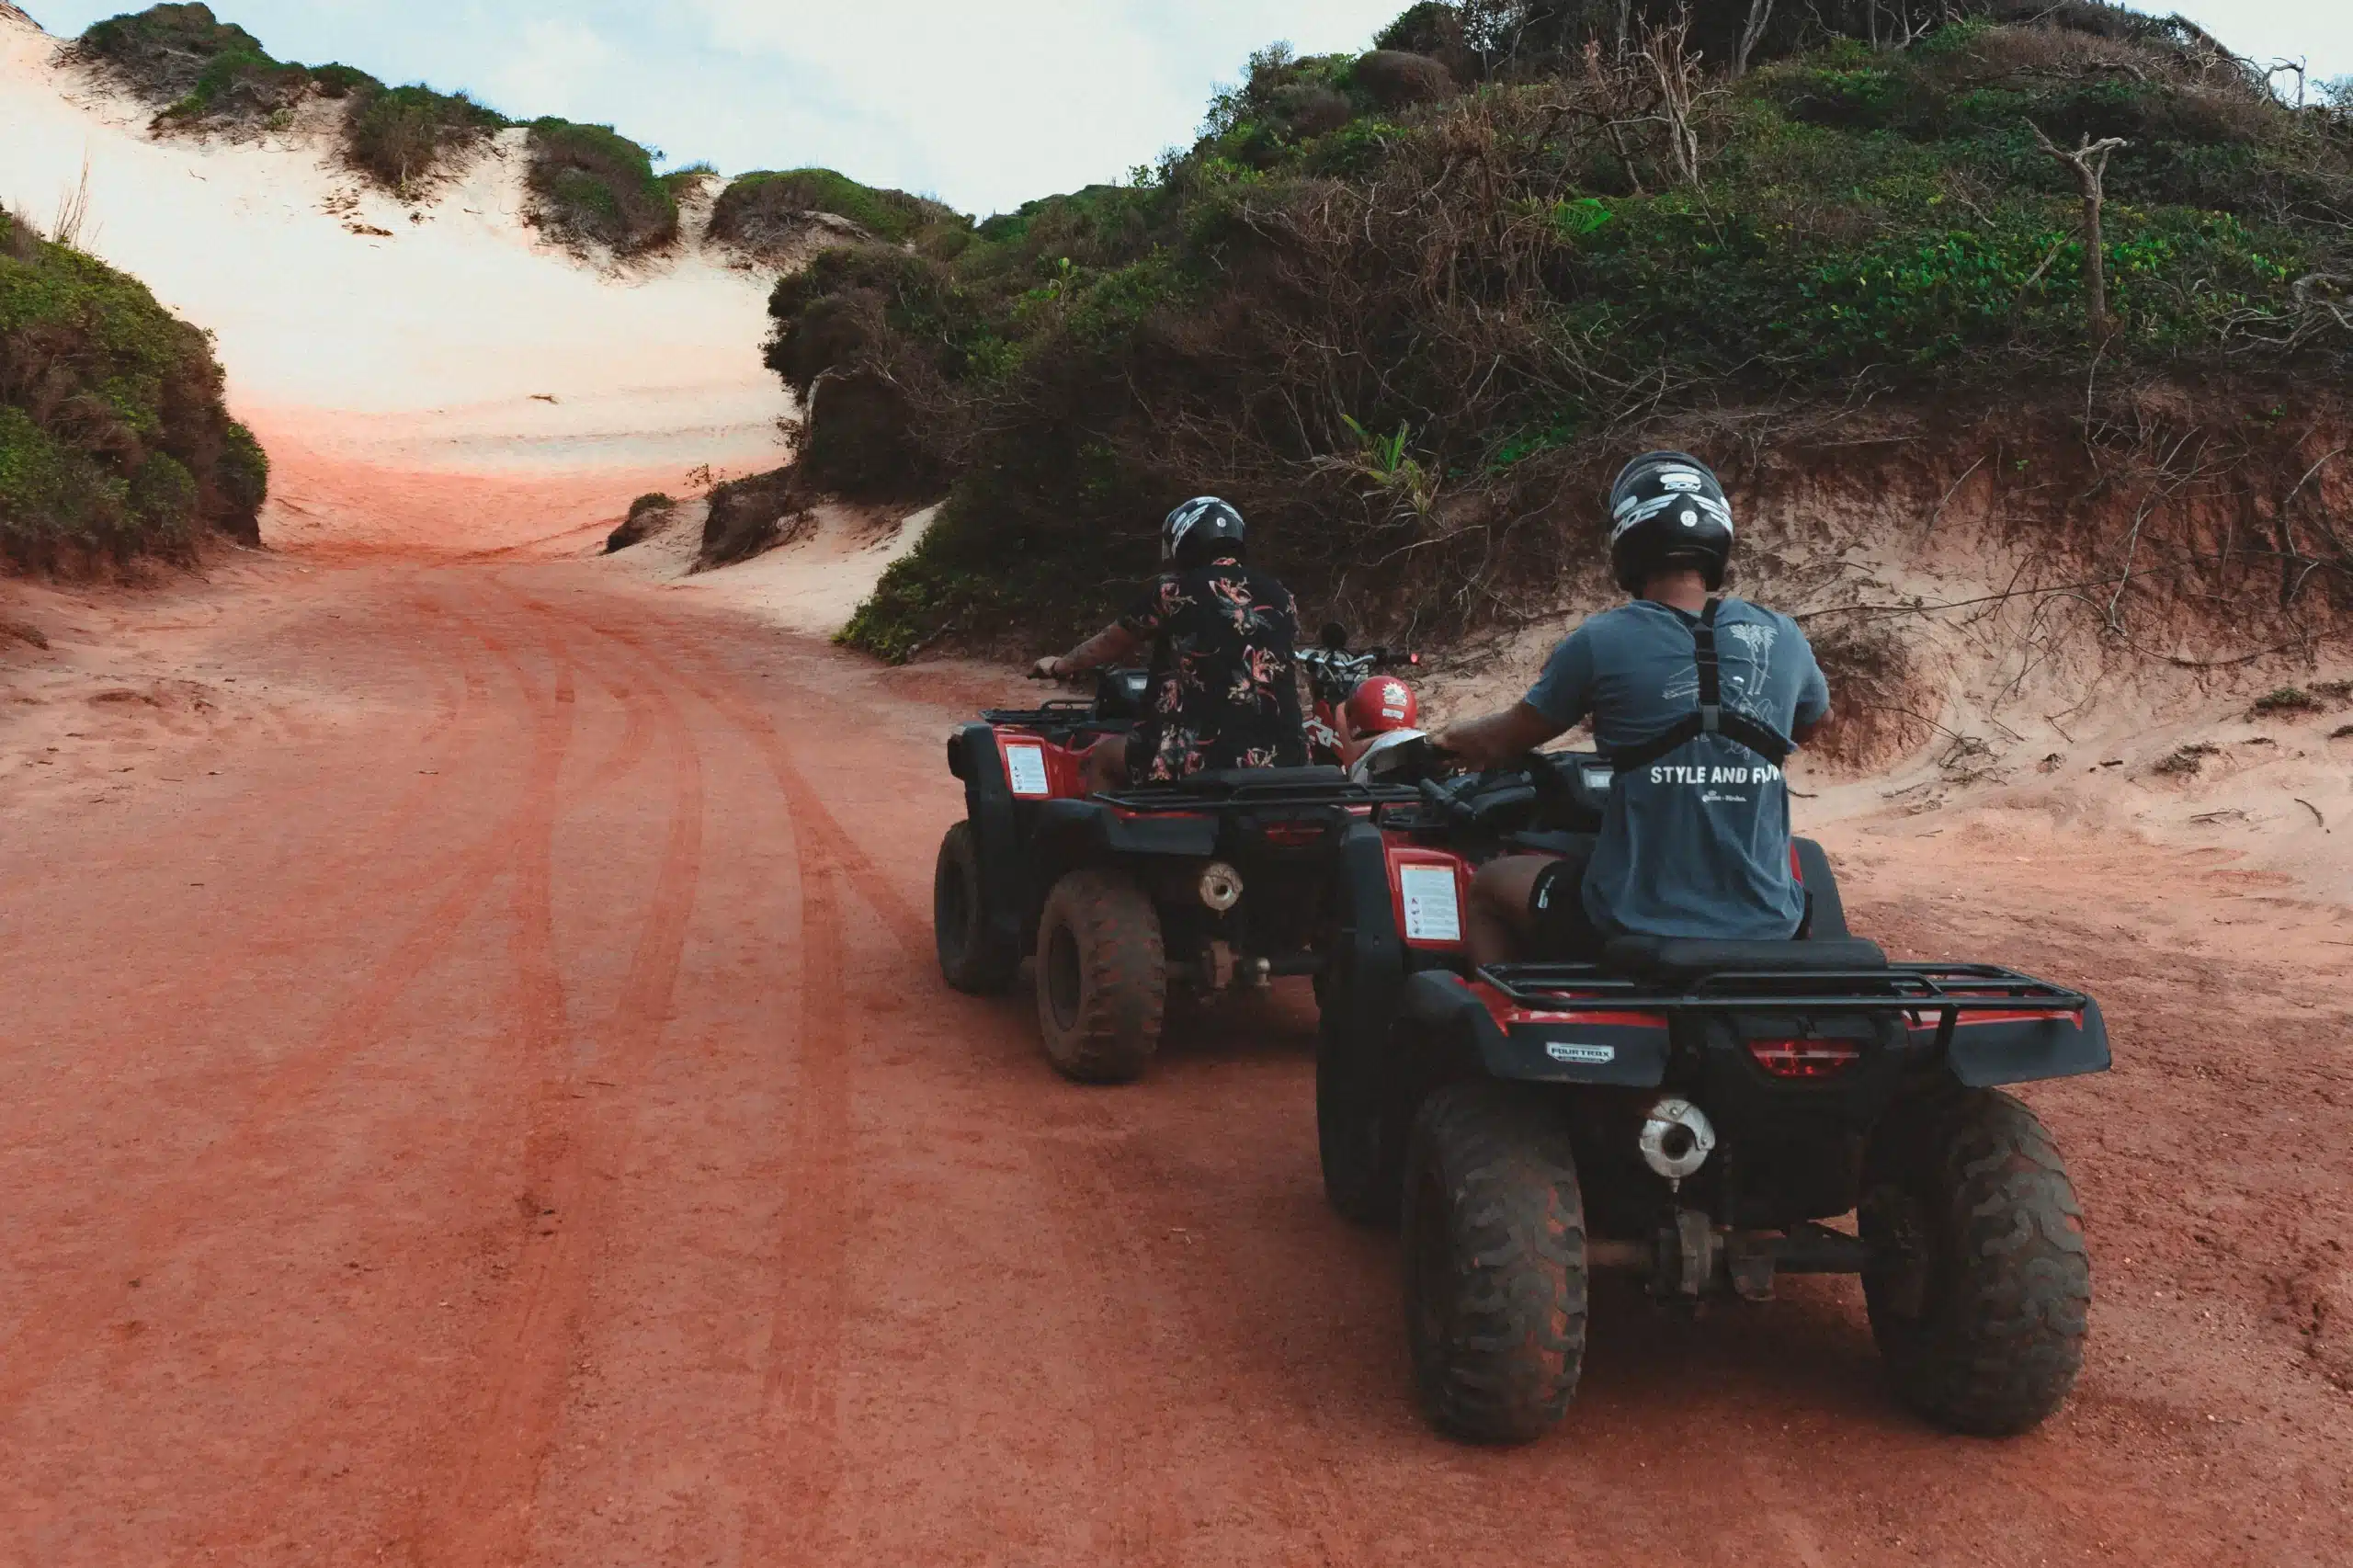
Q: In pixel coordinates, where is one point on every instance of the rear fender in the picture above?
(1538, 1050)
(2029, 1050)
(1066, 835)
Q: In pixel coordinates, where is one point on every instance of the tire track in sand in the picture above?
(541, 1034)
(486, 1516)
(1082, 1181)
(801, 1353)
(46, 1334)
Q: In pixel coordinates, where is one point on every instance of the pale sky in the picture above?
(984, 103)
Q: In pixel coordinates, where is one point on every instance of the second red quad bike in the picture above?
(1701, 1115)
(1225, 879)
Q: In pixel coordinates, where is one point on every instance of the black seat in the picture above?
(1680, 960)
(1224, 781)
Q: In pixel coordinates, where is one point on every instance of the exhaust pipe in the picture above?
(1678, 1138)
(1221, 887)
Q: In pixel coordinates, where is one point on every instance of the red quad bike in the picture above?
(1226, 880)
(1334, 675)
(1690, 1113)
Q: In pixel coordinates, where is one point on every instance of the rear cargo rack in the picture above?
(1946, 990)
(1241, 797)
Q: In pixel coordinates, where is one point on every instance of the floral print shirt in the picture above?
(1224, 675)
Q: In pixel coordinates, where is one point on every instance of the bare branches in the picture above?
(74, 212)
(2089, 162)
(1752, 33)
(1676, 66)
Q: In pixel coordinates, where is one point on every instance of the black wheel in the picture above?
(1981, 1322)
(1494, 1264)
(1361, 1117)
(1102, 977)
(969, 958)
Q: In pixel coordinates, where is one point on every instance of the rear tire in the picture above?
(1494, 1264)
(969, 959)
(1102, 978)
(1982, 1327)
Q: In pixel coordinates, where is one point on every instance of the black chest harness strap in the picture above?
(1712, 718)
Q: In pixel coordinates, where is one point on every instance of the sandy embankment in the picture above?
(430, 376)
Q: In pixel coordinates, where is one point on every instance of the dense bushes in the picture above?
(590, 183)
(1402, 340)
(210, 75)
(402, 135)
(114, 441)
(771, 211)
(648, 515)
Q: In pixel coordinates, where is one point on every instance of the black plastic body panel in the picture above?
(2030, 1050)
(1443, 1001)
(989, 803)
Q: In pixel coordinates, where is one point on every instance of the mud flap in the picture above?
(1363, 1104)
(1006, 894)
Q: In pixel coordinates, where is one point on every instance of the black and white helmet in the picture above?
(1201, 532)
(1666, 510)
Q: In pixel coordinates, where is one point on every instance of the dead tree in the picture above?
(1676, 67)
(2089, 162)
(1760, 15)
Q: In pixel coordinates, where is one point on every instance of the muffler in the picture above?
(1678, 1138)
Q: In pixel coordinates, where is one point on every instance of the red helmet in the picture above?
(1383, 704)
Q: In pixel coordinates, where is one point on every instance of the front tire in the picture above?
(1102, 977)
(971, 959)
(1494, 1264)
(1982, 1324)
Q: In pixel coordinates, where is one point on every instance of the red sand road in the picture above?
(500, 1107)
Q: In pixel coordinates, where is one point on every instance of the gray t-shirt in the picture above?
(1698, 844)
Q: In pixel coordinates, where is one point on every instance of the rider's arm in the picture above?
(1122, 638)
(1500, 737)
(1562, 697)
(1107, 646)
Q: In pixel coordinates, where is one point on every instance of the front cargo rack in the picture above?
(1066, 715)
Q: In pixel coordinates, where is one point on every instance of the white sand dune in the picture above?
(357, 330)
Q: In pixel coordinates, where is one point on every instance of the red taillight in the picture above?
(1805, 1058)
(1294, 834)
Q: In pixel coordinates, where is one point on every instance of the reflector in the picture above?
(1805, 1058)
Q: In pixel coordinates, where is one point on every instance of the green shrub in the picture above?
(164, 52)
(592, 184)
(114, 440)
(2286, 699)
(404, 135)
(763, 208)
(212, 74)
(646, 514)
(1517, 276)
